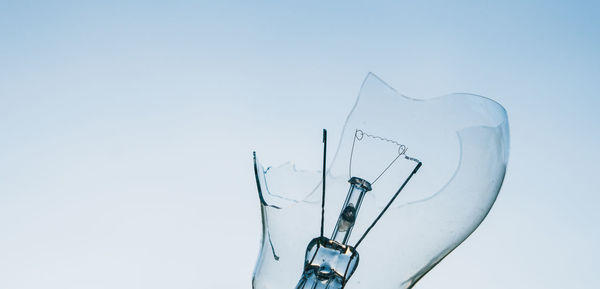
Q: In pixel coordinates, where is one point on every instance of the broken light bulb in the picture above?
(410, 180)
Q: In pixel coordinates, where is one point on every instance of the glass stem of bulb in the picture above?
(349, 213)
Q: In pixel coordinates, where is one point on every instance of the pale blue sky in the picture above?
(126, 130)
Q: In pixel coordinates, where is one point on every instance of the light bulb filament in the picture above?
(359, 135)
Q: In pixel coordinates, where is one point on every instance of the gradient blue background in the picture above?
(126, 130)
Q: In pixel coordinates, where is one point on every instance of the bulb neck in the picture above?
(343, 228)
(328, 264)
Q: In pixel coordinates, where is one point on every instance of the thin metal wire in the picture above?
(383, 139)
(324, 173)
(385, 170)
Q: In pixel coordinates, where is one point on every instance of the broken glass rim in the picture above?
(260, 172)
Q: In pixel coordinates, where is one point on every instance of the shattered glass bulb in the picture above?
(410, 180)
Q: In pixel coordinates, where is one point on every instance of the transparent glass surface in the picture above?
(462, 142)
